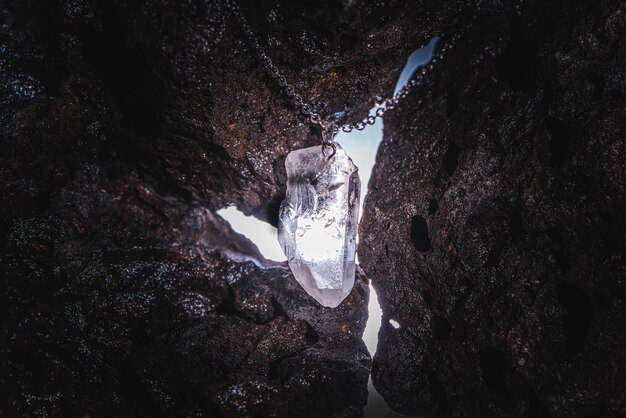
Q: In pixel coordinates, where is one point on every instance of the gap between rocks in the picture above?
(362, 147)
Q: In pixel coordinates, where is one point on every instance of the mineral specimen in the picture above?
(318, 219)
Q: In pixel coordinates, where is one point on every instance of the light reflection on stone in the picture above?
(318, 222)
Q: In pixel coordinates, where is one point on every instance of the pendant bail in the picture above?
(328, 133)
(329, 150)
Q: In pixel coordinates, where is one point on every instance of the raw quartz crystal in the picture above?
(318, 222)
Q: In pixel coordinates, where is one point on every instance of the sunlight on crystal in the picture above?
(318, 220)
(317, 243)
(320, 256)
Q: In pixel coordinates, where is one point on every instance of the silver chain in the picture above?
(383, 105)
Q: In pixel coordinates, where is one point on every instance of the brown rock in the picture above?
(491, 229)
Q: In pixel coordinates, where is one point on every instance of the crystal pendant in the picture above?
(318, 222)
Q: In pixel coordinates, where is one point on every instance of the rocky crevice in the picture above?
(126, 125)
(490, 230)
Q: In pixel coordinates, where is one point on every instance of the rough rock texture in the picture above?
(182, 92)
(121, 301)
(494, 227)
(124, 125)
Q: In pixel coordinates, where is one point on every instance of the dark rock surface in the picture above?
(182, 93)
(494, 227)
(122, 301)
(492, 233)
(124, 126)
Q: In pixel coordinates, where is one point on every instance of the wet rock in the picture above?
(109, 310)
(123, 127)
(182, 93)
(491, 230)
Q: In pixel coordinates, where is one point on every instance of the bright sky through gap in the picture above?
(361, 146)
(259, 232)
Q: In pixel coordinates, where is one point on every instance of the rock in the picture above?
(318, 221)
(174, 88)
(124, 127)
(123, 301)
(494, 224)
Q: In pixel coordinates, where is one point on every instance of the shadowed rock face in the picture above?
(124, 301)
(124, 126)
(172, 87)
(494, 224)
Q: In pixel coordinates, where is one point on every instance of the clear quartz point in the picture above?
(318, 222)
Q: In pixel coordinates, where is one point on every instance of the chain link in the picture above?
(278, 75)
(306, 109)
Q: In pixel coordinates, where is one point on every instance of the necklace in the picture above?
(318, 218)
